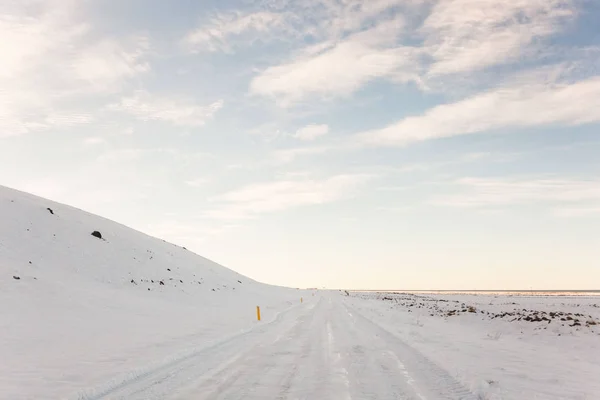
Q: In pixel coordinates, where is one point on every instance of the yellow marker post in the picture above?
(300, 299)
(258, 313)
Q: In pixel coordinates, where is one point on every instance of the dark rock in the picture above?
(97, 234)
(161, 283)
(29, 262)
(16, 277)
(239, 281)
(180, 281)
(49, 209)
(168, 269)
(132, 281)
(213, 290)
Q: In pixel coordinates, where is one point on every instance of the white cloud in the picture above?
(364, 56)
(568, 104)
(134, 154)
(178, 111)
(198, 182)
(289, 155)
(106, 64)
(311, 132)
(93, 140)
(322, 20)
(218, 33)
(467, 35)
(53, 64)
(379, 39)
(268, 132)
(485, 192)
(582, 211)
(282, 195)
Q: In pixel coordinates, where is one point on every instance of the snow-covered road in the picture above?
(322, 349)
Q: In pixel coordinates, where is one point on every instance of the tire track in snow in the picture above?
(264, 368)
(427, 380)
(151, 378)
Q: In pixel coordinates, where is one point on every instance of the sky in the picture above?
(382, 144)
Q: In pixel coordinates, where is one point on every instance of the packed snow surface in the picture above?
(128, 316)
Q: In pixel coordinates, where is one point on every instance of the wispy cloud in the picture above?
(582, 211)
(366, 56)
(198, 182)
(468, 35)
(224, 29)
(93, 140)
(525, 106)
(178, 111)
(53, 64)
(281, 195)
(487, 192)
(107, 64)
(289, 155)
(379, 40)
(311, 132)
(133, 154)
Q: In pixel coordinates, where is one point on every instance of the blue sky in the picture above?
(407, 144)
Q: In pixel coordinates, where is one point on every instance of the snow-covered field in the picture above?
(499, 346)
(132, 317)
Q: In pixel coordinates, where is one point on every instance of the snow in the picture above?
(74, 320)
(499, 357)
(80, 323)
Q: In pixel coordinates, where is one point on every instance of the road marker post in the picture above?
(258, 313)
(301, 300)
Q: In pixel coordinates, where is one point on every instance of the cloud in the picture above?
(293, 22)
(134, 154)
(289, 155)
(198, 182)
(106, 64)
(178, 111)
(512, 107)
(311, 132)
(218, 33)
(93, 140)
(582, 211)
(282, 195)
(467, 35)
(365, 56)
(53, 65)
(489, 192)
(408, 41)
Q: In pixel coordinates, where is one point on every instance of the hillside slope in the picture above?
(77, 311)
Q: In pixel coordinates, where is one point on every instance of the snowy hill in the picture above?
(77, 310)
